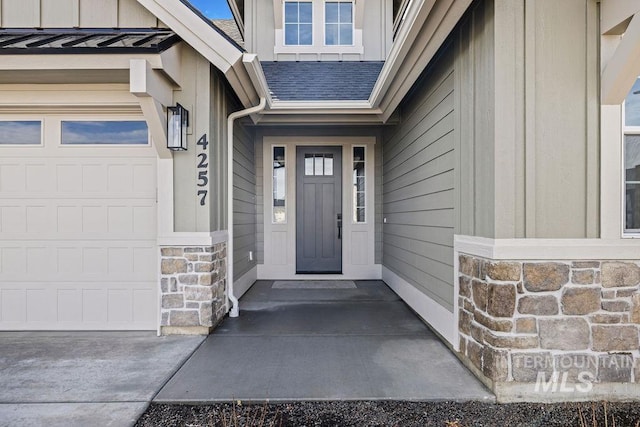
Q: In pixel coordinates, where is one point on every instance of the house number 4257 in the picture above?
(202, 169)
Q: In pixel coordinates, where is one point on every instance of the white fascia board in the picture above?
(335, 107)
(427, 25)
(256, 74)
(75, 62)
(202, 37)
(616, 14)
(324, 118)
(197, 33)
(622, 69)
(416, 14)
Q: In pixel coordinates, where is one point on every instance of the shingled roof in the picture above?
(321, 81)
(16, 41)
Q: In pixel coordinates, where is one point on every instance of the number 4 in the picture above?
(203, 141)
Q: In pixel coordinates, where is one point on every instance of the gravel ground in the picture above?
(386, 413)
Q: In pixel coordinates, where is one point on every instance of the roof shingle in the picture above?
(321, 81)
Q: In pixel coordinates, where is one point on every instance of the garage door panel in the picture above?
(12, 178)
(74, 306)
(78, 238)
(40, 305)
(24, 219)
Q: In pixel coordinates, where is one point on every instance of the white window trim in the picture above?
(318, 47)
(324, 23)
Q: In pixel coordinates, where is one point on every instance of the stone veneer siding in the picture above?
(517, 319)
(193, 284)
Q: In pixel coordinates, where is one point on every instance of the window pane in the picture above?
(291, 34)
(105, 133)
(359, 215)
(632, 157)
(23, 132)
(331, 13)
(291, 12)
(308, 164)
(346, 34)
(306, 34)
(306, 14)
(358, 154)
(319, 167)
(345, 13)
(331, 34)
(632, 210)
(328, 165)
(279, 185)
(632, 184)
(632, 106)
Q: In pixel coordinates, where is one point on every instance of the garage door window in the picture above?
(105, 133)
(22, 132)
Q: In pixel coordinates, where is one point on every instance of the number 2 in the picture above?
(203, 159)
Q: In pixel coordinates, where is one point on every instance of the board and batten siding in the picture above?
(418, 185)
(75, 13)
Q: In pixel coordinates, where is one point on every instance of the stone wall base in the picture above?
(551, 330)
(193, 287)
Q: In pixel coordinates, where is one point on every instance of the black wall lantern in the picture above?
(177, 124)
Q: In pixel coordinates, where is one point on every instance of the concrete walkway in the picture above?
(84, 378)
(322, 344)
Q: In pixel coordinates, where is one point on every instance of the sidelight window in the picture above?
(279, 186)
(359, 195)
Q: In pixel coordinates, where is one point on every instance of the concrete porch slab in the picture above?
(335, 345)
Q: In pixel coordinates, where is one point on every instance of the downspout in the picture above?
(235, 309)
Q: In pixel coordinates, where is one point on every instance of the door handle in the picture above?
(339, 220)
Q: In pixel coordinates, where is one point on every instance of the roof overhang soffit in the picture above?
(621, 49)
(208, 42)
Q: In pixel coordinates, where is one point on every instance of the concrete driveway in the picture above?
(84, 378)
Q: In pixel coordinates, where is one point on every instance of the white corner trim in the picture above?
(548, 249)
(256, 74)
(193, 238)
(244, 283)
(438, 317)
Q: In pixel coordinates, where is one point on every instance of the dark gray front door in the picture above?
(319, 210)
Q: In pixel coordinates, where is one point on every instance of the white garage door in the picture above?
(77, 225)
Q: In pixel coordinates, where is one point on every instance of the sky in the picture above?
(213, 9)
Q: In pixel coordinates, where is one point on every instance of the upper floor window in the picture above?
(632, 160)
(298, 23)
(338, 27)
